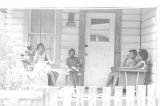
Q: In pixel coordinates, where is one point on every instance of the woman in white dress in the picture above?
(41, 67)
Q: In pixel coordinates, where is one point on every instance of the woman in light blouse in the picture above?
(41, 65)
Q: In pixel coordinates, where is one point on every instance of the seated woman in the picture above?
(141, 58)
(41, 67)
(129, 61)
(74, 66)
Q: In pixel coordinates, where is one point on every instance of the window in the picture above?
(43, 29)
(100, 30)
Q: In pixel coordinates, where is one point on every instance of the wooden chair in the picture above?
(63, 71)
(132, 77)
(67, 76)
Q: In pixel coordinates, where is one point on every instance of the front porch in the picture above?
(135, 28)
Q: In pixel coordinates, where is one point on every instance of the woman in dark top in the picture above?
(74, 66)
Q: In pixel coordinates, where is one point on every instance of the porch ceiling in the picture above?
(79, 3)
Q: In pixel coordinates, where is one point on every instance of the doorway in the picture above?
(99, 48)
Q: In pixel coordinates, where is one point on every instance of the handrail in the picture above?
(132, 70)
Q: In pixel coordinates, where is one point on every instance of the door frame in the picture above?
(117, 46)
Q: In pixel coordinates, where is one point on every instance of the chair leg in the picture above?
(79, 80)
(66, 80)
(51, 79)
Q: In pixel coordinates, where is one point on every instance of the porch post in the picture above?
(81, 44)
(117, 45)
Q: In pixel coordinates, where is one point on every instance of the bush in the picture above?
(12, 73)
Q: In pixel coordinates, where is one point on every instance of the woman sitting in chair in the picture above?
(141, 58)
(41, 67)
(74, 66)
(129, 61)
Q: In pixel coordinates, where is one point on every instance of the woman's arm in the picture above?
(139, 65)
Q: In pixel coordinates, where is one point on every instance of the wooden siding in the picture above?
(15, 21)
(131, 11)
(130, 35)
(149, 35)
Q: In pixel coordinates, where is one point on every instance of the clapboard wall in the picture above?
(2, 34)
(15, 26)
(130, 31)
(148, 38)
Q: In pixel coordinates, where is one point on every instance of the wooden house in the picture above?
(101, 37)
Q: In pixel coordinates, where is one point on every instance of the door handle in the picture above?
(86, 54)
(85, 45)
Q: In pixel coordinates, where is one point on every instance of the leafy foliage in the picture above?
(12, 73)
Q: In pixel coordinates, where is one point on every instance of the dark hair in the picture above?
(40, 44)
(72, 50)
(133, 51)
(143, 53)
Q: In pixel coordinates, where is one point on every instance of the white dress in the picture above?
(39, 75)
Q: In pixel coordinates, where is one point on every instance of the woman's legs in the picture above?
(115, 82)
(56, 76)
(110, 79)
(113, 78)
(73, 77)
(71, 74)
(52, 78)
(76, 77)
(49, 80)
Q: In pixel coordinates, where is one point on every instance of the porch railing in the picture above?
(82, 96)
